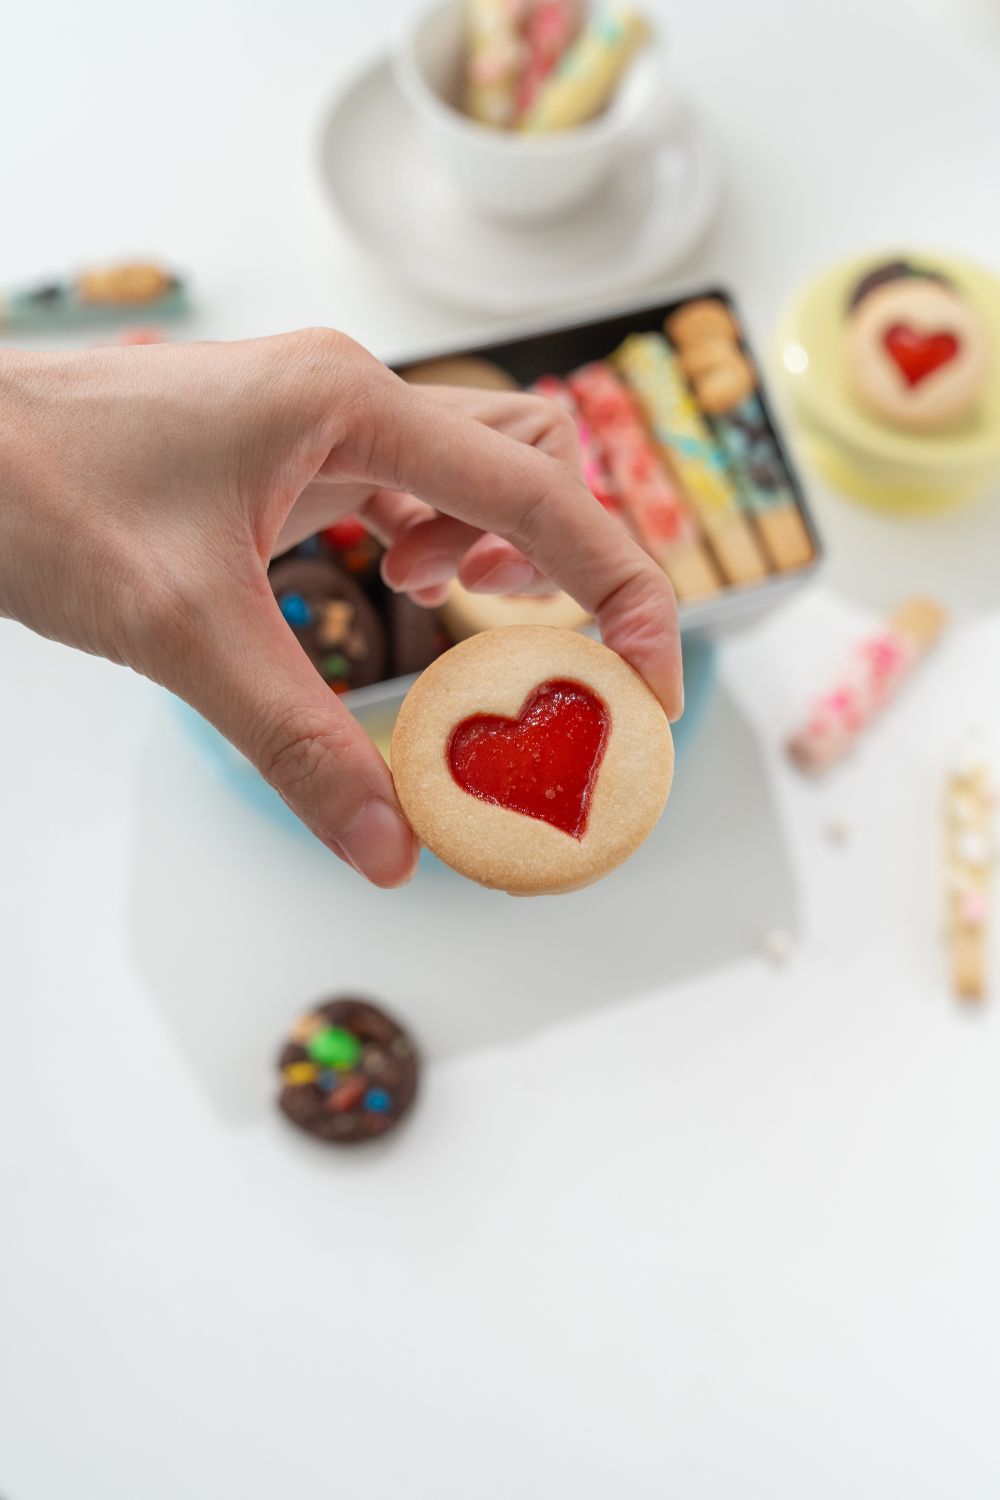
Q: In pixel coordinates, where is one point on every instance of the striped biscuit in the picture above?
(652, 373)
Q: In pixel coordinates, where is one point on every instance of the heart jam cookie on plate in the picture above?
(917, 351)
(531, 759)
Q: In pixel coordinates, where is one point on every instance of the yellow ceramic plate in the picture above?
(870, 457)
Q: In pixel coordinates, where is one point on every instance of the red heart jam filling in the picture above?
(544, 763)
(919, 354)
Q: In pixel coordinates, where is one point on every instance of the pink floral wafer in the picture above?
(595, 470)
(550, 27)
(878, 668)
(650, 496)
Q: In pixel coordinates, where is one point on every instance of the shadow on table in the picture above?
(238, 923)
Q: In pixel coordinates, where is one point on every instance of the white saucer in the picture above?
(400, 207)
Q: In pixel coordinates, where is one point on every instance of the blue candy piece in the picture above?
(327, 1080)
(378, 1101)
(308, 548)
(295, 609)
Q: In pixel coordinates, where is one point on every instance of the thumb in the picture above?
(251, 679)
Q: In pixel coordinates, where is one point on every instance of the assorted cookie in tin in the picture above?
(677, 443)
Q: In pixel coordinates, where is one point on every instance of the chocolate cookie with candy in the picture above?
(353, 548)
(333, 620)
(348, 1072)
(917, 351)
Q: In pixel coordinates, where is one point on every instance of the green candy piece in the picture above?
(335, 665)
(333, 1047)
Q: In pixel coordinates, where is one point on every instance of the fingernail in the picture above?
(425, 573)
(506, 578)
(379, 844)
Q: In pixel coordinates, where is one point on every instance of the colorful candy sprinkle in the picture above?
(298, 1073)
(305, 1027)
(295, 610)
(349, 1094)
(333, 1047)
(346, 533)
(378, 1101)
(335, 622)
(327, 1080)
(335, 665)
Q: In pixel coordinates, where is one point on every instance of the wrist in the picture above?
(29, 384)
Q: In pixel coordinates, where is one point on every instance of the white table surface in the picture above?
(734, 1235)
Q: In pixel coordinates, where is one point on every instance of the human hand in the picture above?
(146, 489)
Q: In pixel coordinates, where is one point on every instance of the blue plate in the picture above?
(700, 657)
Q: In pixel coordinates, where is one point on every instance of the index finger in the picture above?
(540, 506)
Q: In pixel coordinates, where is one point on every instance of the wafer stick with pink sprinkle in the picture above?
(599, 480)
(878, 668)
(548, 30)
(651, 497)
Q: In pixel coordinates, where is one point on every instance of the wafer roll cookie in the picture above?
(651, 498)
(655, 378)
(783, 530)
(878, 668)
(707, 339)
(589, 72)
(549, 29)
(595, 470)
(970, 856)
(494, 59)
(756, 463)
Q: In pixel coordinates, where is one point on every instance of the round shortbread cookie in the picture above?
(708, 318)
(465, 613)
(532, 760)
(461, 369)
(917, 352)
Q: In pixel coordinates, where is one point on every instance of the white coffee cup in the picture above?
(525, 178)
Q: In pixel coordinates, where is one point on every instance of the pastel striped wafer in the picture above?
(970, 855)
(709, 351)
(655, 378)
(589, 71)
(651, 498)
(548, 31)
(494, 60)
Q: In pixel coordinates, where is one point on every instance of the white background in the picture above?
(737, 1235)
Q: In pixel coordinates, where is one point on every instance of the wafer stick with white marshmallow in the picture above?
(879, 666)
(970, 853)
